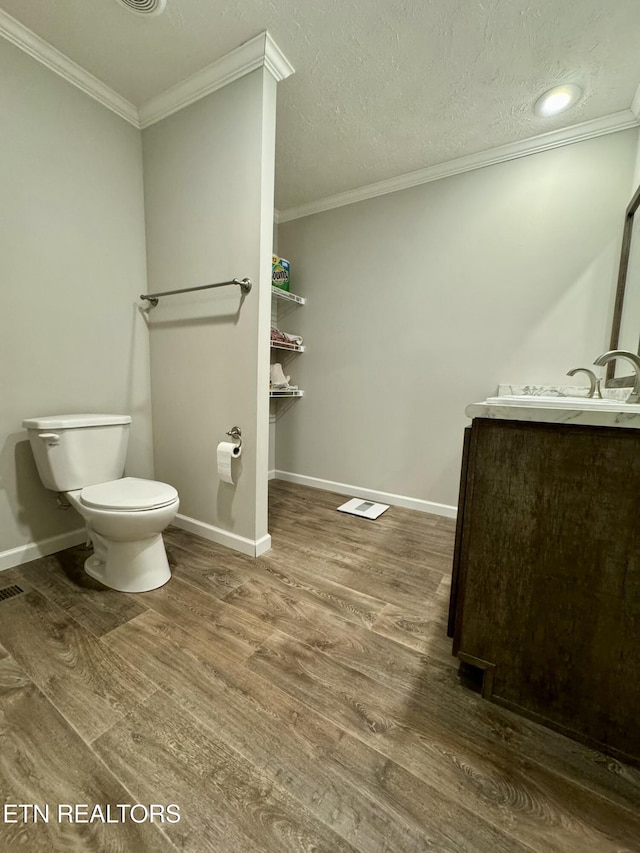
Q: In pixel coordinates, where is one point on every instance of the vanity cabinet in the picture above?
(546, 587)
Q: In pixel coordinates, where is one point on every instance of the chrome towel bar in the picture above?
(245, 287)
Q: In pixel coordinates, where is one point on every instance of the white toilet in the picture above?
(83, 456)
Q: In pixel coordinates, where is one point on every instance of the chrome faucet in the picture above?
(594, 381)
(634, 396)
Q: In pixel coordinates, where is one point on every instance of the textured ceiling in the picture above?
(382, 87)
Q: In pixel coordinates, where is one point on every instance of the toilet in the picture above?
(83, 457)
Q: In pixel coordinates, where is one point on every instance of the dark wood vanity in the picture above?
(546, 586)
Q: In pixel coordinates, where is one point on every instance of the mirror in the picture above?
(625, 328)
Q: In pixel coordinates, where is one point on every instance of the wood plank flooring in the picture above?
(303, 701)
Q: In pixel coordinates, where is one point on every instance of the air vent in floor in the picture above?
(10, 591)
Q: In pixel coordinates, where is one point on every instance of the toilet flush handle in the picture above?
(52, 438)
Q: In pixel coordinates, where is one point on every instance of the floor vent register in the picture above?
(10, 591)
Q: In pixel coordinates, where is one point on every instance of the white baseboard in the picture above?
(272, 474)
(263, 545)
(25, 553)
(251, 547)
(369, 494)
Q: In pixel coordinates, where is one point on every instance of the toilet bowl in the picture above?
(83, 456)
(125, 519)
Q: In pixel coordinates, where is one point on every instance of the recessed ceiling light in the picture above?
(557, 100)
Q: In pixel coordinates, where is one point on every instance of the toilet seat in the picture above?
(130, 494)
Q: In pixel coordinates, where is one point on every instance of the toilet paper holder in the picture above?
(236, 434)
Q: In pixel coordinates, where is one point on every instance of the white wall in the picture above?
(209, 173)
(422, 301)
(72, 264)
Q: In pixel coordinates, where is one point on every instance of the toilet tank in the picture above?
(73, 451)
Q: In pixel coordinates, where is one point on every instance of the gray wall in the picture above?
(422, 301)
(209, 213)
(71, 267)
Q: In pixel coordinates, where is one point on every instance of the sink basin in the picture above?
(547, 402)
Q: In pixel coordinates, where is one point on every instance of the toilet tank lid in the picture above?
(74, 421)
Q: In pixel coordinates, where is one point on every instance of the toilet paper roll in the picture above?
(227, 452)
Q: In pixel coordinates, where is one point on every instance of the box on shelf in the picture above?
(280, 272)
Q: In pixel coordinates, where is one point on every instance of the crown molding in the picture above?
(253, 54)
(15, 32)
(260, 51)
(544, 142)
(275, 61)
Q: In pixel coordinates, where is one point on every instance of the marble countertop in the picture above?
(567, 408)
(620, 394)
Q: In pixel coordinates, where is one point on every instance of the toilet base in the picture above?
(130, 566)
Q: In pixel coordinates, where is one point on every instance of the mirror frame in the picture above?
(622, 381)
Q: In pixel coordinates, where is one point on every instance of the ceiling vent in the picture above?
(145, 7)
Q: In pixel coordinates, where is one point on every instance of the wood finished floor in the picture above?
(304, 701)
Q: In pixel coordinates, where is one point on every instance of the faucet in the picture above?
(594, 381)
(634, 396)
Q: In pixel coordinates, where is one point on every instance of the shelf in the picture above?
(292, 393)
(278, 293)
(287, 346)
(289, 297)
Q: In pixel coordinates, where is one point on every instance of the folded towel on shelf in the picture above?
(278, 381)
(293, 339)
(284, 337)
